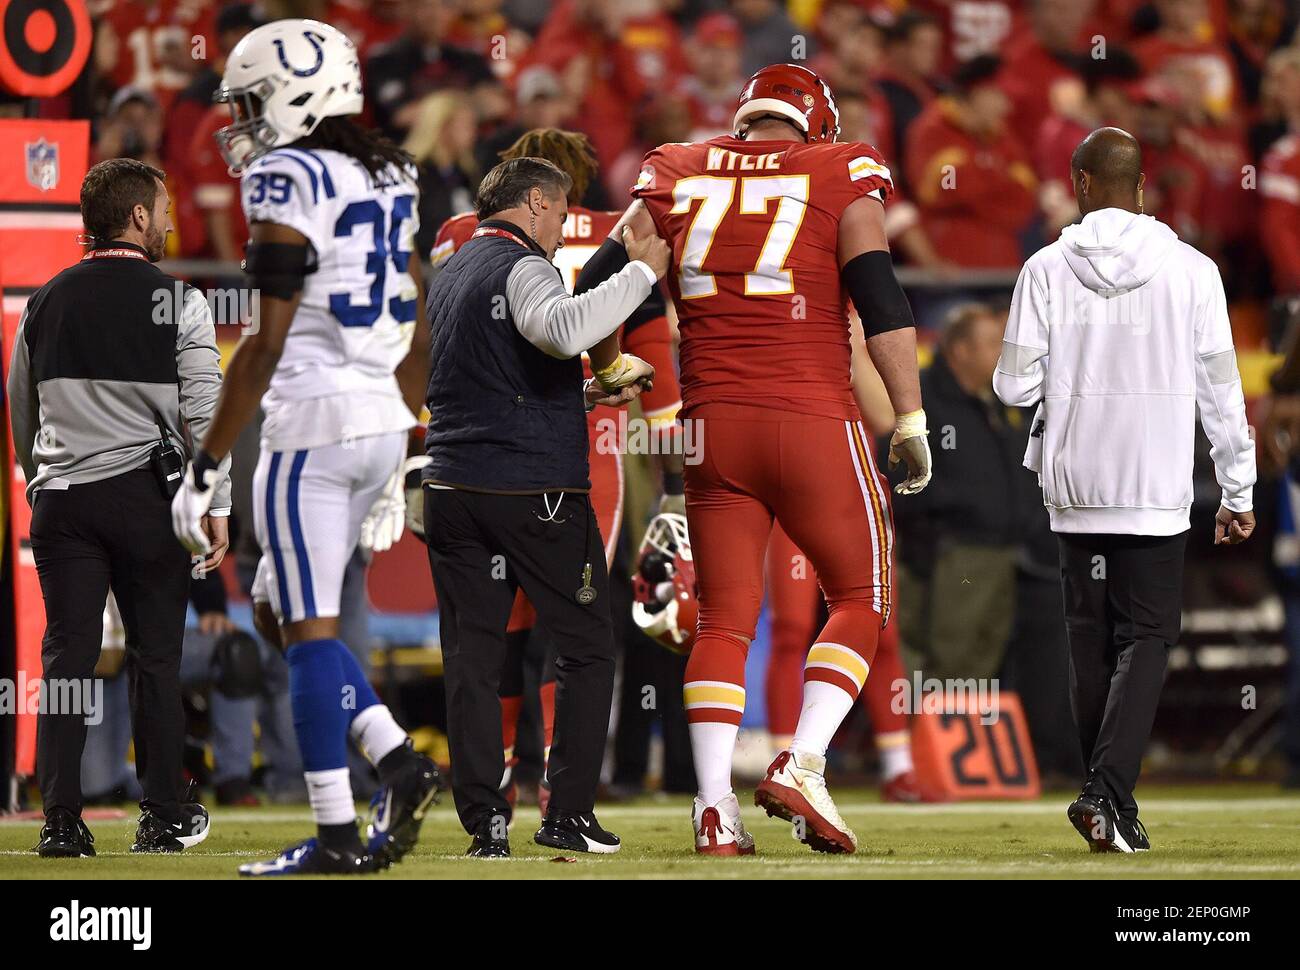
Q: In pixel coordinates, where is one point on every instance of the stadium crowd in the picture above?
(976, 106)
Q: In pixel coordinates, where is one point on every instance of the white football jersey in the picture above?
(354, 324)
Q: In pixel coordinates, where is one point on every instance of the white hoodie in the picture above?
(1121, 331)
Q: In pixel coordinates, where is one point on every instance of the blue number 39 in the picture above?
(386, 241)
(275, 186)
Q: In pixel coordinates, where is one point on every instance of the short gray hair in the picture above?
(508, 185)
(960, 321)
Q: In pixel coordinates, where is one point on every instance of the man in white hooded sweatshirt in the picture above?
(1119, 331)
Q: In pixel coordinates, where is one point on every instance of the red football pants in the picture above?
(817, 478)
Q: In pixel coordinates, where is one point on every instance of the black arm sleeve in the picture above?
(278, 269)
(879, 299)
(604, 263)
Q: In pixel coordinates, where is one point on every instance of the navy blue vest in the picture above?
(503, 416)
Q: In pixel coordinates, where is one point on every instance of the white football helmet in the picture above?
(663, 588)
(280, 81)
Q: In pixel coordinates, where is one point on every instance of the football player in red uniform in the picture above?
(646, 334)
(794, 602)
(773, 230)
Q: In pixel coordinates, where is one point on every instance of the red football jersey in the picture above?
(152, 44)
(754, 230)
(652, 341)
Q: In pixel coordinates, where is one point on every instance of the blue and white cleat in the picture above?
(398, 809)
(311, 858)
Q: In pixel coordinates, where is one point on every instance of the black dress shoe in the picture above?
(64, 836)
(575, 833)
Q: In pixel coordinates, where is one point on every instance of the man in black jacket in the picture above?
(506, 489)
(956, 594)
(115, 374)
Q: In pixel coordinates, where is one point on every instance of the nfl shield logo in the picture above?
(42, 164)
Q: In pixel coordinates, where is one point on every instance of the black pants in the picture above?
(1123, 611)
(113, 534)
(481, 549)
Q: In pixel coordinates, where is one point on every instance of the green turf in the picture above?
(1223, 831)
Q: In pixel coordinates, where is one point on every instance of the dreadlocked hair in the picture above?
(370, 148)
(569, 150)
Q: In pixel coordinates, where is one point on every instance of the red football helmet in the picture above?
(663, 587)
(794, 93)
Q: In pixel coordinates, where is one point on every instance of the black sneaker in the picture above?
(314, 858)
(156, 834)
(64, 836)
(1095, 818)
(1135, 833)
(575, 833)
(398, 808)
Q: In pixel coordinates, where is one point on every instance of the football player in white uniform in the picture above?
(339, 360)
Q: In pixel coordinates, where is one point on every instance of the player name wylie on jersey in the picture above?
(355, 320)
(754, 228)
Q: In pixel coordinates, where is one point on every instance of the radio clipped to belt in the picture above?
(167, 462)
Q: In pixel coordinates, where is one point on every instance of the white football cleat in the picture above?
(795, 790)
(719, 830)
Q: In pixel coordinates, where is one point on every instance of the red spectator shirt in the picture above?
(212, 184)
(1206, 61)
(754, 231)
(618, 73)
(976, 196)
(151, 43)
(1279, 186)
(363, 28)
(973, 27)
(652, 341)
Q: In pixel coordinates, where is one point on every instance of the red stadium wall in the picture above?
(41, 167)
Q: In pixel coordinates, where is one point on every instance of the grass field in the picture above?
(1204, 832)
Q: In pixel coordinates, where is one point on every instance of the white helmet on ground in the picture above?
(663, 588)
(280, 81)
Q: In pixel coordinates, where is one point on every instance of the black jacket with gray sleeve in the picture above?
(106, 352)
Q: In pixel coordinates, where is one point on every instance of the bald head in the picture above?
(1106, 170)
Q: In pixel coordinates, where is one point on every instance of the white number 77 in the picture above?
(716, 194)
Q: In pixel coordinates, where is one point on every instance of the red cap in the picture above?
(718, 30)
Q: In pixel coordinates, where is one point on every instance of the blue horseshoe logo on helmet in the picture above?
(315, 40)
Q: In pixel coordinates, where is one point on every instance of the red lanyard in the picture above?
(494, 231)
(107, 253)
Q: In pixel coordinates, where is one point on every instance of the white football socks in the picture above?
(895, 753)
(376, 733)
(713, 744)
(330, 794)
(824, 707)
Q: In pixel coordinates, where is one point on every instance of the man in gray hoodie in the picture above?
(1119, 332)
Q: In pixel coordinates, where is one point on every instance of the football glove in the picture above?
(382, 525)
(909, 446)
(191, 502)
(626, 370)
